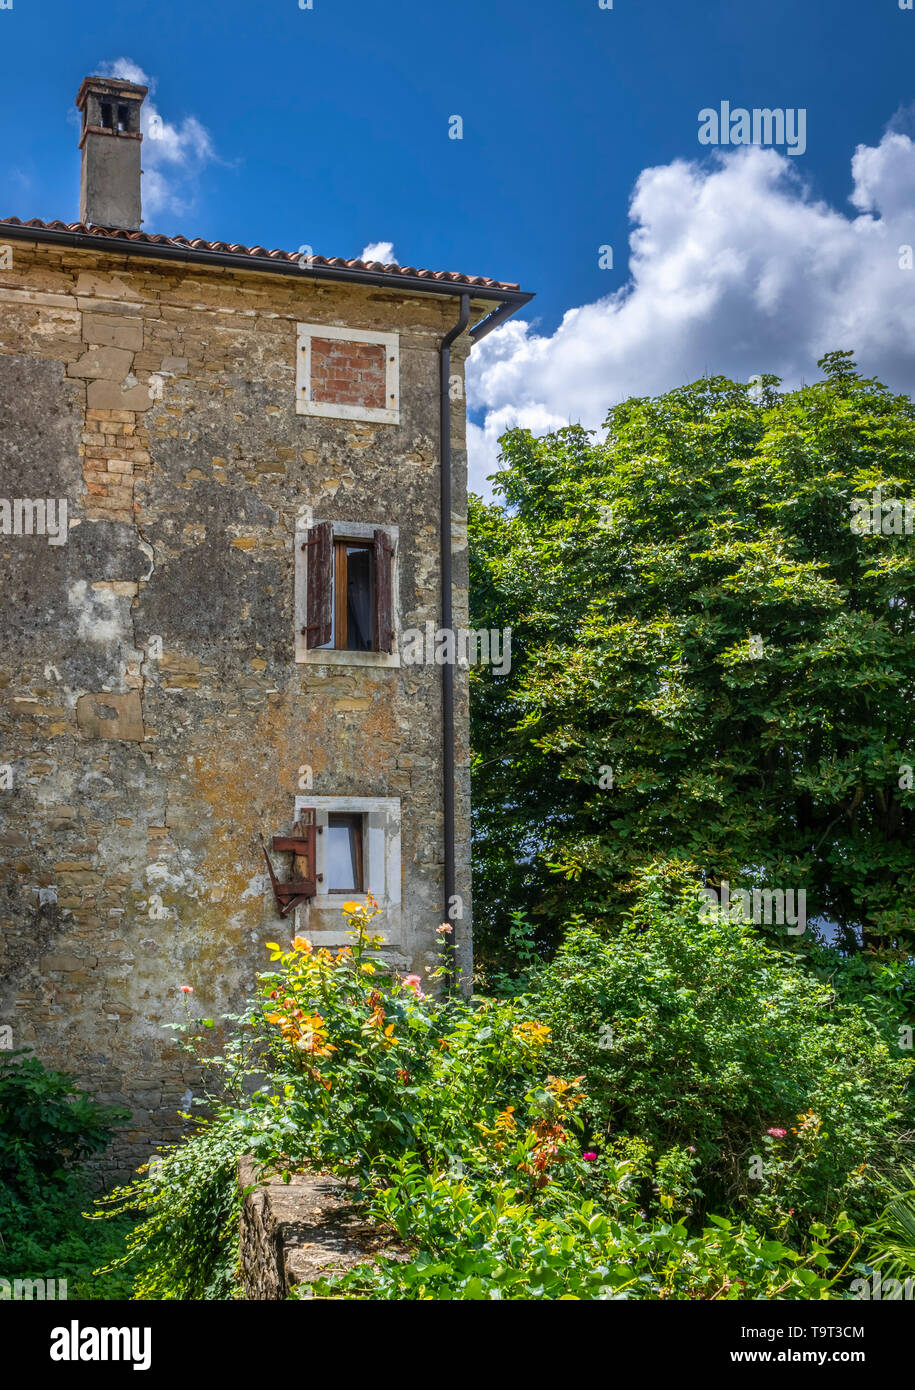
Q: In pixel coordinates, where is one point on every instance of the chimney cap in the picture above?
(109, 86)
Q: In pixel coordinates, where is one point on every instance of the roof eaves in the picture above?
(236, 256)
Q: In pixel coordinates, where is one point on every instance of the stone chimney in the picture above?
(109, 192)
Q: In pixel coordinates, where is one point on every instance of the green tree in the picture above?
(696, 619)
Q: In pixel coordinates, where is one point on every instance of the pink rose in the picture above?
(589, 1157)
(777, 1133)
(413, 982)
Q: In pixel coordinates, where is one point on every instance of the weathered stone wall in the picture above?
(159, 400)
(297, 1232)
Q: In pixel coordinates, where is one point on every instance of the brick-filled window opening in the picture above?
(347, 373)
(349, 590)
(344, 854)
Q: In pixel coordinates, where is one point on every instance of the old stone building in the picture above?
(222, 477)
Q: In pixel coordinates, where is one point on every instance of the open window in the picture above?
(345, 852)
(356, 852)
(355, 618)
(348, 587)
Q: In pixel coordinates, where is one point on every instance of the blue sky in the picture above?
(329, 128)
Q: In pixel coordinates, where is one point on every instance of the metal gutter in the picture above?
(447, 622)
(496, 318)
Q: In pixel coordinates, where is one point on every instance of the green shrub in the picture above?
(890, 1242)
(500, 1245)
(469, 1125)
(48, 1128)
(185, 1244)
(690, 1031)
(359, 1066)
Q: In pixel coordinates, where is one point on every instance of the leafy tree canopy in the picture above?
(700, 616)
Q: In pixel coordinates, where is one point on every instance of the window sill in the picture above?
(328, 410)
(333, 902)
(330, 656)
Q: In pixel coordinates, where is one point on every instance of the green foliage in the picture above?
(691, 609)
(691, 1031)
(48, 1128)
(185, 1244)
(496, 1245)
(361, 1067)
(47, 1124)
(364, 1066)
(497, 1135)
(51, 1238)
(891, 1240)
(884, 989)
(521, 953)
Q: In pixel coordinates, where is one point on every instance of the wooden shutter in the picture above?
(301, 844)
(384, 592)
(303, 863)
(319, 584)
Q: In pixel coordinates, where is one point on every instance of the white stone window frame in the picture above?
(330, 410)
(342, 530)
(381, 859)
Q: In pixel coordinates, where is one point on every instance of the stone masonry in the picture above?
(154, 722)
(297, 1232)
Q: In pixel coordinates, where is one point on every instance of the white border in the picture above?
(304, 405)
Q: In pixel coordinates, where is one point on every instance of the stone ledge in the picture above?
(296, 1232)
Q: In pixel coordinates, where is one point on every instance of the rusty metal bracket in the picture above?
(301, 844)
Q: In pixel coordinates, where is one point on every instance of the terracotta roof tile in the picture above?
(257, 253)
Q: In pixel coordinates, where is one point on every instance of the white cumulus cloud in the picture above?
(173, 154)
(382, 251)
(735, 268)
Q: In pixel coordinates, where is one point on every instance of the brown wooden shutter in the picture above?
(319, 584)
(303, 862)
(301, 845)
(384, 592)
